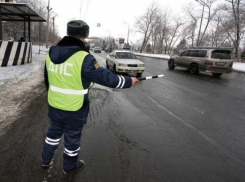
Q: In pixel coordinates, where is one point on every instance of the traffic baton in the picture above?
(150, 77)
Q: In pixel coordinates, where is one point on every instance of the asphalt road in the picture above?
(180, 128)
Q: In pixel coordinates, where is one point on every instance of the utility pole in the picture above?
(128, 31)
(54, 23)
(128, 34)
(39, 36)
(109, 36)
(81, 9)
(47, 31)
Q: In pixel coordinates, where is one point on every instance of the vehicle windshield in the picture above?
(221, 54)
(125, 55)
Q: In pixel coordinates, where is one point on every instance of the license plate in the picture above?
(220, 64)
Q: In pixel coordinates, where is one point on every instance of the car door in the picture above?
(179, 61)
(201, 58)
(191, 57)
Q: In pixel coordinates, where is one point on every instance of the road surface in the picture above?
(180, 128)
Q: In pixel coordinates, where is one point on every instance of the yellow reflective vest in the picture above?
(66, 90)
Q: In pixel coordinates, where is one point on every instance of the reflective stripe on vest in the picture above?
(66, 90)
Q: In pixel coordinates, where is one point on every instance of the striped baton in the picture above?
(150, 77)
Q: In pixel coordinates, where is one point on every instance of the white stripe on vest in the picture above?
(68, 91)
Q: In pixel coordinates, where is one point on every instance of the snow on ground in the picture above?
(18, 86)
(153, 55)
(239, 67)
(22, 71)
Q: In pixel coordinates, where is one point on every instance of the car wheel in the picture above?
(193, 68)
(171, 64)
(107, 66)
(114, 69)
(138, 75)
(217, 74)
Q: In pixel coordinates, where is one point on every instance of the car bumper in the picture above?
(218, 70)
(123, 69)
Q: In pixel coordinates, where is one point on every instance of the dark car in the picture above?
(97, 50)
(108, 49)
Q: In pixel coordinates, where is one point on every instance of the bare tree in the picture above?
(146, 23)
(234, 24)
(206, 4)
(191, 24)
(211, 13)
(38, 30)
(160, 30)
(220, 25)
(173, 35)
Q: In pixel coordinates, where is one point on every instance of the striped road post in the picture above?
(15, 53)
(150, 77)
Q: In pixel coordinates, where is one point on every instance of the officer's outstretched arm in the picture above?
(93, 72)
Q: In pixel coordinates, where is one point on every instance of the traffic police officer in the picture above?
(69, 72)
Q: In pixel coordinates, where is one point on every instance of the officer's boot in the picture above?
(80, 165)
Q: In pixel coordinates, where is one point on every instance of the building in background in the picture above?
(8, 1)
(94, 42)
(119, 42)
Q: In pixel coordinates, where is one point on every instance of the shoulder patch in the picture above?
(96, 65)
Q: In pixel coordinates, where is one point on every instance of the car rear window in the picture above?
(125, 55)
(221, 54)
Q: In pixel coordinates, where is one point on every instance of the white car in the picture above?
(120, 61)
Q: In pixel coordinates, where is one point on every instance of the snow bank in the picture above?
(160, 56)
(239, 67)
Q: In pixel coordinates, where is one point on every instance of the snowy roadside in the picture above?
(21, 71)
(237, 67)
(18, 86)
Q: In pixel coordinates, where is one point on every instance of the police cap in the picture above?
(78, 28)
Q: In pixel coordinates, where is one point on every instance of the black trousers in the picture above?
(72, 137)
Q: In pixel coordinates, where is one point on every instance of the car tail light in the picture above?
(209, 63)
